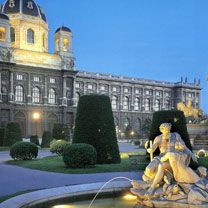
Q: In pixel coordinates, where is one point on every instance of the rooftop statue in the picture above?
(168, 181)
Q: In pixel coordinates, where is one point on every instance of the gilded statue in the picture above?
(189, 110)
(168, 176)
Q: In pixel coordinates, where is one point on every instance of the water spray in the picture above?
(105, 185)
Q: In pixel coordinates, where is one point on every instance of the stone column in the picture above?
(143, 100)
(45, 98)
(132, 98)
(121, 97)
(74, 99)
(11, 94)
(64, 100)
(29, 96)
(163, 100)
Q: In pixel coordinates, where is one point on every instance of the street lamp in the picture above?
(36, 117)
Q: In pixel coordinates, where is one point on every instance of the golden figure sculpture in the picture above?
(168, 176)
(189, 110)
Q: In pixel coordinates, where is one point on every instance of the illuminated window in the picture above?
(30, 36)
(12, 34)
(137, 105)
(77, 85)
(52, 96)
(36, 79)
(147, 105)
(114, 102)
(52, 80)
(114, 89)
(157, 105)
(19, 77)
(19, 93)
(2, 34)
(126, 90)
(89, 87)
(126, 103)
(36, 95)
(66, 44)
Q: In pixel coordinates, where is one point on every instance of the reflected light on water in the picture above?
(129, 197)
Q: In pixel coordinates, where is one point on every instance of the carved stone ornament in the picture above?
(30, 5)
(11, 3)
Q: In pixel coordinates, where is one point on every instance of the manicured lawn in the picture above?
(4, 149)
(55, 164)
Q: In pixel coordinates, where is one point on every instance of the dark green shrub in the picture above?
(34, 139)
(178, 121)
(2, 132)
(12, 134)
(79, 156)
(46, 139)
(94, 125)
(60, 132)
(23, 151)
(58, 146)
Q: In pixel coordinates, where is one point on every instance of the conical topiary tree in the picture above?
(178, 121)
(95, 125)
(46, 139)
(12, 134)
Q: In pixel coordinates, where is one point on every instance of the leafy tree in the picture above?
(2, 133)
(95, 125)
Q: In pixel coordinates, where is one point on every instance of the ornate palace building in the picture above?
(34, 82)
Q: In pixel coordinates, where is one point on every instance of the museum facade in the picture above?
(39, 89)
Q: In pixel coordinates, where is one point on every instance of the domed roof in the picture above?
(27, 7)
(4, 16)
(63, 28)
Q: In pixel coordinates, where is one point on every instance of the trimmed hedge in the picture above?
(12, 134)
(79, 156)
(46, 139)
(94, 125)
(34, 139)
(178, 121)
(23, 151)
(57, 146)
(60, 132)
(2, 133)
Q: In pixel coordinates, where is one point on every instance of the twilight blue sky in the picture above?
(153, 39)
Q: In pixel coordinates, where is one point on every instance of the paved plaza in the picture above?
(15, 179)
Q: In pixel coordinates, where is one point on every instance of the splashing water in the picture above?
(105, 185)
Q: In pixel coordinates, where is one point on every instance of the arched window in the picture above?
(36, 95)
(114, 102)
(52, 96)
(2, 34)
(137, 105)
(126, 103)
(12, 34)
(126, 122)
(30, 36)
(19, 93)
(157, 105)
(147, 105)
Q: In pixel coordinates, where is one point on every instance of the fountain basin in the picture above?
(49, 197)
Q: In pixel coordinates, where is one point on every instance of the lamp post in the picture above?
(36, 117)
